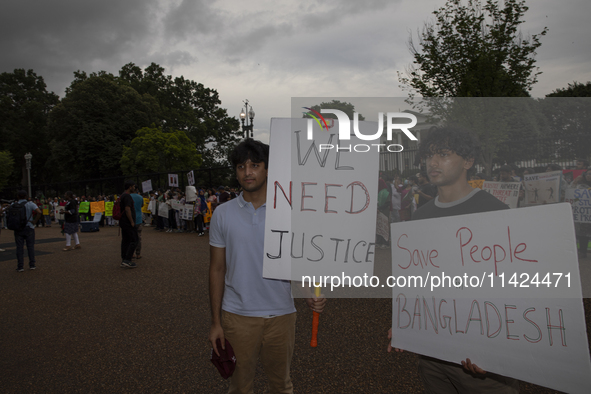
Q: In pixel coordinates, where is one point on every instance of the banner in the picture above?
(173, 180)
(109, 208)
(580, 201)
(145, 207)
(98, 206)
(501, 288)
(321, 204)
(84, 207)
(45, 209)
(207, 215)
(147, 186)
(542, 188)
(191, 178)
(507, 192)
(476, 183)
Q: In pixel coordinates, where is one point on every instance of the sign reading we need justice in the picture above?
(321, 201)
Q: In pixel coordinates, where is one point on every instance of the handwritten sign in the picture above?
(502, 288)
(97, 206)
(109, 208)
(580, 201)
(507, 192)
(321, 204)
(542, 188)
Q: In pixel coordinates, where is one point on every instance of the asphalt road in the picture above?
(81, 324)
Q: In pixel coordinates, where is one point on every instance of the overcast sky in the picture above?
(264, 51)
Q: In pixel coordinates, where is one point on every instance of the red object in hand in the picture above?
(315, 319)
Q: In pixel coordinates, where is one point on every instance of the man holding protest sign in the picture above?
(256, 315)
(450, 154)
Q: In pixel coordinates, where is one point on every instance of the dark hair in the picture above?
(69, 195)
(506, 168)
(554, 167)
(251, 149)
(585, 162)
(21, 194)
(128, 183)
(462, 142)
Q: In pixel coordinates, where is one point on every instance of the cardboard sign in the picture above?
(507, 192)
(191, 178)
(147, 186)
(501, 288)
(542, 188)
(321, 204)
(580, 201)
(109, 208)
(173, 180)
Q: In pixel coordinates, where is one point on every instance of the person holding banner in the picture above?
(256, 315)
(450, 155)
(582, 230)
(71, 222)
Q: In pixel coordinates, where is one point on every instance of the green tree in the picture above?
(575, 89)
(92, 123)
(24, 107)
(474, 50)
(153, 150)
(347, 108)
(188, 106)
(6, 167)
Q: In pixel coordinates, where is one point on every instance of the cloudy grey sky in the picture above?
(266, 51)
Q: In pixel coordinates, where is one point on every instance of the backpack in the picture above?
(16, 217)
(117, 209)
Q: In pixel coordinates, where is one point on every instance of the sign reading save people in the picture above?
(501, 288)
(321, 202)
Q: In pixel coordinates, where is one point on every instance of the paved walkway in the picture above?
(81, 324)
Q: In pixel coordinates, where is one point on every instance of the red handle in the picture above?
(315, 318)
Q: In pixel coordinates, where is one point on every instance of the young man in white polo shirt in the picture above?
(255, 314)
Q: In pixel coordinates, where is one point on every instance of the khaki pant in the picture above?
(440, 377)
(272, 339)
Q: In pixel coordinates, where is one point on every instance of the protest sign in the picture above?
(59, 212)
(190, 194)
(163, 210)
(186, 212)
(84, 207)
(145, 207)
(476, 183)
(321, 204)
(147, 186)
(191, 178)
(580, 201)
(109, 208)
(542, 188)
(502, 288)
(45, 209)
(97, 206)
(176, 205)
(571, 175)
(207, 214)
(173, 180)
(507, 192)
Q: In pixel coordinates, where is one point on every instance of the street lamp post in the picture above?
(243, 117)
(28, 158)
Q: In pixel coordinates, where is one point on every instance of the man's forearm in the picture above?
(216, 293)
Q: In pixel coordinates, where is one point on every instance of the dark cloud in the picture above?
(58, 37)
(191, 18)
